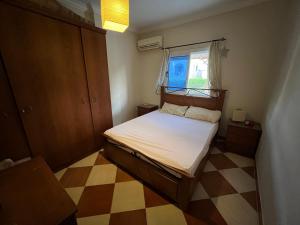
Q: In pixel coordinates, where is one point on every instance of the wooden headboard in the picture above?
(208, 102)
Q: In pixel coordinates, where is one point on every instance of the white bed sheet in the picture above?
(176, 142)
(142, 157)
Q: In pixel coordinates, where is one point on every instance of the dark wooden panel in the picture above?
(45, 65)
(31, 195)
(13, 142)
(94, 46)
(163, 183)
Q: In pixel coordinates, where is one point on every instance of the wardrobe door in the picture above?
(45, 66)
(94, 46)
(12, 137)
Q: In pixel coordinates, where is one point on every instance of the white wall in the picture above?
(123, 65)
(278, 157)
(251, 36)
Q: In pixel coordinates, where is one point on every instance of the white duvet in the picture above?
(176, 142)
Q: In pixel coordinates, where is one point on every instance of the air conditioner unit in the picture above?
(149, 43)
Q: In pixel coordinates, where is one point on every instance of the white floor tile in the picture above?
(102, 174)
(165, 215)
(239, 160)
(60, 173)
(87, 161)
(94, 220)
(199, 193)
(209, 167)
(239, 179)
(236, 210)
(215, 151)
(75, 193)
(128, 196)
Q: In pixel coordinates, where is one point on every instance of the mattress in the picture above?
(176, 142)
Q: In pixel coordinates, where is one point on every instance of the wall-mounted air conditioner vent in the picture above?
(149, 43)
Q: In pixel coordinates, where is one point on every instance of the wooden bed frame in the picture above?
(178, 189)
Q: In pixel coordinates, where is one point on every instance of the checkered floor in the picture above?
(104, 194)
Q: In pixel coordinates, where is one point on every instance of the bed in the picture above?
(167, 152)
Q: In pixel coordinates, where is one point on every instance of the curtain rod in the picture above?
(196, 43)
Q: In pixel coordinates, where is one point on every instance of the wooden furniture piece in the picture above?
(12, 135)
(146, 108)
(178, 189)
(94, 46)
(242, 139)
(30, 194)
(57, 71)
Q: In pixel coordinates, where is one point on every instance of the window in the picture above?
(178, 71)
(188, 70)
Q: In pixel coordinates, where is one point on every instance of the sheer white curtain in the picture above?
(163, 71)
(214, 65)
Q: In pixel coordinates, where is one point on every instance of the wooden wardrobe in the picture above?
(55, 100)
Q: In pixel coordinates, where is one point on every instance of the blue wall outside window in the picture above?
(178, 71)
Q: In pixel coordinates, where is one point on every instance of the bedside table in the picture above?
(146, 108)
(242, 139)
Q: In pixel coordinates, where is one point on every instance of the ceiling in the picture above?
(148, 15)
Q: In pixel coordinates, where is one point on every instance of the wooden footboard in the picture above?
(178, 189)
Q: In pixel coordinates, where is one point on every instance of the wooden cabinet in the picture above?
(31, 194)
(94, 47)
(146, 108)
(242, 139)
(12, 137)
(59, 80)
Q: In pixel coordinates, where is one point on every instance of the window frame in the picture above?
(186, 52)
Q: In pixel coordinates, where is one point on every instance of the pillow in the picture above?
(174, 109)
(199, 113)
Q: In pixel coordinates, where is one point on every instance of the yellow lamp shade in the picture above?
(115, 14)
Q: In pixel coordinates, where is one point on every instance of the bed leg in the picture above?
(185, 191)
(106, 148)
(183, 205)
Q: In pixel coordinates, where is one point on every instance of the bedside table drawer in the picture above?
(234, 132)
(242, 139)
(242, 149)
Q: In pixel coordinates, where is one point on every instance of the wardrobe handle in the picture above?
(26, 109)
